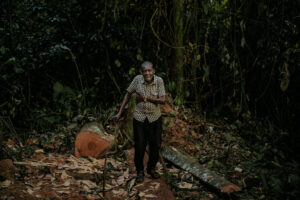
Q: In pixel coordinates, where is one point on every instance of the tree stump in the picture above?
(92, 140)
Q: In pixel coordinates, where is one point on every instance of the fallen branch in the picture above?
(205, 175)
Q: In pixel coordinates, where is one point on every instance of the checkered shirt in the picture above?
(155, 89)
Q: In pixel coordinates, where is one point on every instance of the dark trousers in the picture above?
(147, 133)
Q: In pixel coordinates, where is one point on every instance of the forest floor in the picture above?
(44, 167)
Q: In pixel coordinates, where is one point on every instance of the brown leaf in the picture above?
(5, 183)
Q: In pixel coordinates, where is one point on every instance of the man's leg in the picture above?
(139, 146)
(154, 137)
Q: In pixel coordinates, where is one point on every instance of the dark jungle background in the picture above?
(233, 60)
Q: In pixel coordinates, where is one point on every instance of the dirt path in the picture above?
(150, 188)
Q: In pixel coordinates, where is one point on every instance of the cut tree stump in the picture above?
(92, 140)
(205, 175)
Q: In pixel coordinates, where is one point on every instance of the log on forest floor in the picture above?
(205, 175)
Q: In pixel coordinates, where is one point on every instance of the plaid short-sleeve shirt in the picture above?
(155, 89)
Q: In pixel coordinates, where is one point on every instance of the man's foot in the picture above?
(140, 177)
(153, 174)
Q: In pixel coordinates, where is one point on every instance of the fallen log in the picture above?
(205, 175)
(92, 140)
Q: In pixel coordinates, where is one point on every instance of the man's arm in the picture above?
(124, 102)
(160, 100)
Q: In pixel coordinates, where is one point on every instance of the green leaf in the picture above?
(187, 93)
(117, 63)
(206, 72)
(19, 70)
(139, 57)
(229, 138)
(166, 123)
(64, 91)
(171, 86)
(3, 49)
(205, 7)
(243, 42)
(131, 71)
(11, 60)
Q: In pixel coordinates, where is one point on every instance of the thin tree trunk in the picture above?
(178, 52)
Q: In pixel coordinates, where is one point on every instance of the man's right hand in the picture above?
(116, 118)
(139, 97)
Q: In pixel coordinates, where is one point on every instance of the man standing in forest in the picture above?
(147, 123)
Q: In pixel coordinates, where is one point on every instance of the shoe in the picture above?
(153, 174)
(140, 177)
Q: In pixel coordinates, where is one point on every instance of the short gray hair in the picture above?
(146, 63)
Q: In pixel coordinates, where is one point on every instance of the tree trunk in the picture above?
(178, 51)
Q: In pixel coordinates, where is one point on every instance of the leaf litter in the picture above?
(54, 173)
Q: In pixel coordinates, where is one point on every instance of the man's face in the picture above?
(147, 72)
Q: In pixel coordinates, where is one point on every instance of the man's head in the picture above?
(147, 71)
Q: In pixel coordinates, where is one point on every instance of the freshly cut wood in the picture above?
(92, 140)
(191, 165)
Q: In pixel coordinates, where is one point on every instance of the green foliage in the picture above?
(213, 164)
(166, 122)
(61, 93)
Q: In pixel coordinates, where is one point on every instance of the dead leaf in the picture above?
(86, 188)
(155, 185)
(5, 183)
(39, 151)
(88, 183)
(30, 191)
(126, 173)
(116, 164)
(119, 192)
(67, 183)
(132, 193)
(63, 192)
(150, 196)
(120, 180)
(64, 175)
(143, 194)
(237, 169)
(130, 185)
(173, 170)
(184, 185)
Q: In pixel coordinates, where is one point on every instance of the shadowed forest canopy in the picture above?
(233, 60)
(61, 58)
